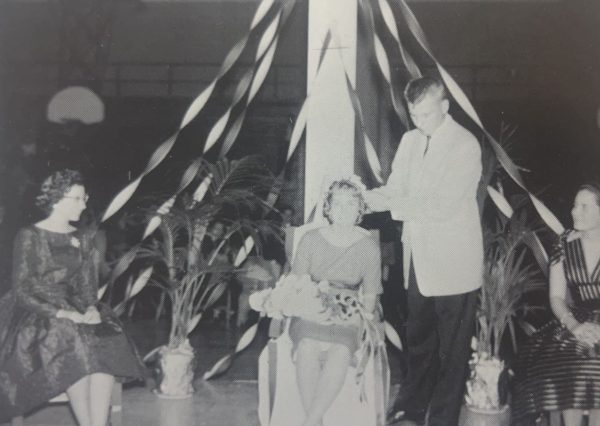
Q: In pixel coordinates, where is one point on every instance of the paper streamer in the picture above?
(500, 201)
(101, 291)
(372, 157)
(202, 189)
(531, 238)
(224, 363)
(300, 123)
(140, 282)
(193, 323)
(392, 336)
(390, 22)
(264, 59)
(509, 166)
(193, 110)
(244, 251)
(264, 56)
(382, 60)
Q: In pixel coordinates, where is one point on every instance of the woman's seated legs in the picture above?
(79, 398)
(320, 382)
(572, 417)
(594, 417)
(308, 369)
(101, 386)
(90, 399)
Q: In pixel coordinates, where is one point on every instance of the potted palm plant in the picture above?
(511, 273)
(192, 280)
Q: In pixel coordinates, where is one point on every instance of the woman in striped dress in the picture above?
(559, 368)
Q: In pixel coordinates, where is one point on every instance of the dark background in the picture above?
(533, 66)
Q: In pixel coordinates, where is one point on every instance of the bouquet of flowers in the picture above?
(300, 296)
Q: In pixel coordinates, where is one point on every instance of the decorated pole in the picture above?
(330, 122)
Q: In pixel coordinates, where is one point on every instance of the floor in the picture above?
(211, 405)
(228, 400)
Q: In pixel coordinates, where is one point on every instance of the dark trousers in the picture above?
(438, 337)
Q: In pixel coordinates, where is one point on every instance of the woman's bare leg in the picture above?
(308, 370)
(79, 398)
(100, 389)
(331, 380)
(572, 417)
(594, 419)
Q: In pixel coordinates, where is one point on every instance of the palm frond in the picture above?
(192, 280)
(511, 273)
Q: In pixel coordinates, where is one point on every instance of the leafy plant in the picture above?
(234, 192)
(510, 274)
(514, 268)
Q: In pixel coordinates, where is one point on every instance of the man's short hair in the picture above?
(418, 88)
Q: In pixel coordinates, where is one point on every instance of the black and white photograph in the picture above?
(300, 212)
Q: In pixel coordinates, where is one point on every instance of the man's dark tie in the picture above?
(426, 145)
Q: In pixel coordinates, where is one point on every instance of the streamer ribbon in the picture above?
(458, 94)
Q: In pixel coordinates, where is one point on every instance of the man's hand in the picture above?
(376, 201)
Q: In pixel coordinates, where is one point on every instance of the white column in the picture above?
(330, 121)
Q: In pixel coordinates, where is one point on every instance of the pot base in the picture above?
(167, 396)
(472, 416)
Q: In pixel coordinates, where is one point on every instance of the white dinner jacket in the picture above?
(435, 196)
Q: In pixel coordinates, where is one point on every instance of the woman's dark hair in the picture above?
(55, 187)
(593, 187)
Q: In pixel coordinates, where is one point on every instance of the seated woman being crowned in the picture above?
(335, 347)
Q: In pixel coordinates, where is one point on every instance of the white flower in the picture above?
(293, 296)
(75, 242)
(257, 299)
(323, 286)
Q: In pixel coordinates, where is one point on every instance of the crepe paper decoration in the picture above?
(140, 282)
(500, 201)
(224, 363)
(458, 94)
(193, 323)
(200, 192)
(392, 336)
(300, 123)
(244, 251)
(390, 22)
(101, 291)
(193, 110)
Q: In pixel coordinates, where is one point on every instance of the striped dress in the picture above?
(554, 371)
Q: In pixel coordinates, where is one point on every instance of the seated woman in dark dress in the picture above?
(559, 367)
(54, 335)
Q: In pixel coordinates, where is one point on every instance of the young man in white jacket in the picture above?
(432, 190)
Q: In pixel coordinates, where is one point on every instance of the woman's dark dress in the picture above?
(347, 269)
(554, 370)
(41, 355)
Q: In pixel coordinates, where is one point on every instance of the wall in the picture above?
(532, 64)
